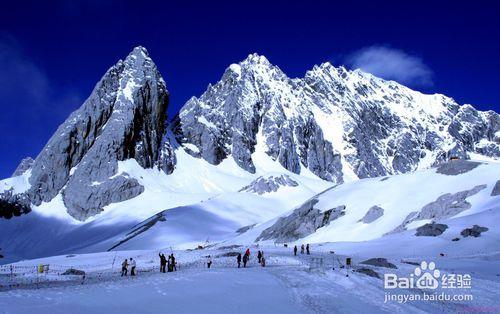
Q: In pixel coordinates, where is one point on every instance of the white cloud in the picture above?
(392, 64)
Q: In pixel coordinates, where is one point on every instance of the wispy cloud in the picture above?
(392, 64)
(20, 78)
(31, 104)
(23, 84)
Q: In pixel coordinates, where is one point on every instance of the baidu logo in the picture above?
(427, 276)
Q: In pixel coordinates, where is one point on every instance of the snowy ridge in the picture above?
(340, 124)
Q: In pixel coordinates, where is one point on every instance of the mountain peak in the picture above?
(123, 118)
(255, 58)
(139, 51)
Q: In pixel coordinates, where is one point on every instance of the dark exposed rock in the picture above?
(496, 189)
(230, 247)
(379, 262)
(411, 263)
(457, 167)
(263, 185)
(475, 231)
(368, 271)
(431, 230)
(446, 206)
(245, 228)
(228, 254)
(372, 214)
(74, 272)
(455, 239)
(13, 205)
(140, 228)
(304, 221)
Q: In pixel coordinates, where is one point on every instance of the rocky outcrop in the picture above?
(13, 205)
(379, 262)
(141, 228)
(367, 271)
(124, 117)
(374, 213)
(475, 231)
(457, 167)
(496, 189)
(431, 230)
(73, 272)
(445, 206)
(269, 184)
(329, 120)
(245, 228)
(23, 166)
(304, 221)
(448, 205)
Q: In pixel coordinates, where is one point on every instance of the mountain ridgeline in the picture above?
(338, 124)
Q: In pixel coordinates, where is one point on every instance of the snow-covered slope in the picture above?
(200, 201)
(371, 208)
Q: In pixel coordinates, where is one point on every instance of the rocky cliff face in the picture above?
(333, 121)
(124, 117)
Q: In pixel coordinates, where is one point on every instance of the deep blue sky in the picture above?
(53, 52)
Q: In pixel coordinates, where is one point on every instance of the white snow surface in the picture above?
(202, 208)
(200, 198)
(288, 284)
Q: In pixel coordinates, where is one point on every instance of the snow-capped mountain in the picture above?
(124, 117)
(339, 124)
(250, 150)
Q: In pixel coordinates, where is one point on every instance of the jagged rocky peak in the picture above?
(268, 184)
(256, 98)
(124, 117)
(334, 122)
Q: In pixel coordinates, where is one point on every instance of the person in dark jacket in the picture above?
(307, 249)
(238, 259)
(169, 264)
(245, 260)
(295, 250)
(259, 256)
(163, 262)
(174, 266)
(124, 268)
(209, 261)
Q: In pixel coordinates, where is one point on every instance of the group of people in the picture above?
(301, 249)
(167, 263)
(126, 264)
(246, 258)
